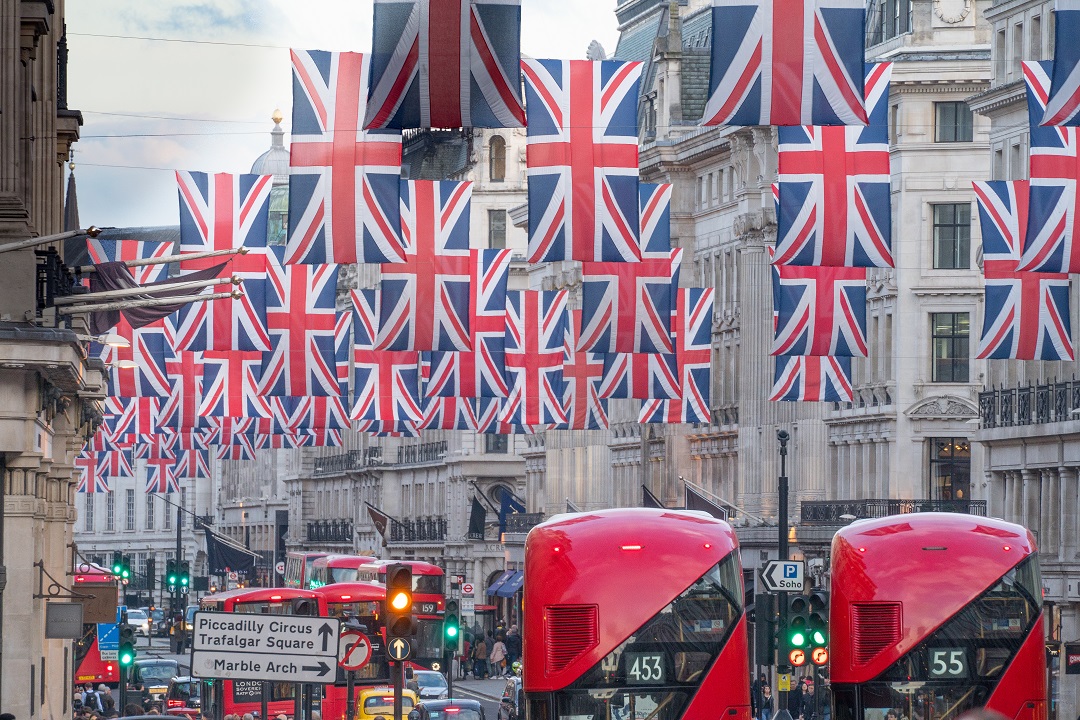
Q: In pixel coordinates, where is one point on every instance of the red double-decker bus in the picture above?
(89, 665)
(635, 613)
(429, 600)
(299, 567)
(362, 602)
(933, 614)
(336, 569)
(245, 696)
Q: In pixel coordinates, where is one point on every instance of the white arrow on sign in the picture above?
(784, 575)
(399, 649)
(354, 650)
(259, 666)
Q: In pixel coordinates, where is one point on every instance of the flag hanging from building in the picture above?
(582, 375)
(449, 413)
(820, 311)
(477, 520)
(642, 376)
(161, 475)
(786, 62)
(425, 302)
(649, 500)
(1063, 101)
(446, 64)
(835, 205)
(695, 500)
(141, 368)
(102, 250)
(811, 378)
(536, 324)
(193, 464)
(582, 159)
(298, 414)
(1026, 313)
(224, 556)
(180, 410)
(387, 387)
(379, 519)
(231, 386)
(655, 225)
(343, 181)
(693, 322)
(90, 479)
(115, 463)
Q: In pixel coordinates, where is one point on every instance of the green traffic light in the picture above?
(819, 637)
(798, 639)
(183, 581)
(451, 631)
(126, 658)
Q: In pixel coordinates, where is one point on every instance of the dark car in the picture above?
(184, 697)
(512, 705)
(448, 710)
(154, 674)
(159, 623)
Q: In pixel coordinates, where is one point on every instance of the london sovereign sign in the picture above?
(284, 648)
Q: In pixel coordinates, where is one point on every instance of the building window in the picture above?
(496, 444)
(496, 229)
(953, 122)
(183, 504)
(110, 512)
(149, 511)
(1036, 38)
(950, 333)
(952, 236)
(88, 516)
(497, 159)
(129, 508)
(950, 469)
(168, 516)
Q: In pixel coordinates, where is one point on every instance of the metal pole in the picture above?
(782, 525)
(178, 608)
(46, 239)
(137, 291)
(350, 690)
(265, 696)
(448, 663)
(122, 694)
(148, 302)
(399, 685)
(183, 257)
(298, 701)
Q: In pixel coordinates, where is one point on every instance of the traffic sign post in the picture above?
(784, 575)
(467, 590)
(108, 638)
(288, 648)
(354, 652)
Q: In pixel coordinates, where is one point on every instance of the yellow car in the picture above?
(378, 702)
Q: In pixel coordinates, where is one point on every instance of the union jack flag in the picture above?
(102, 251)
(655, 207)
(627, 307)
(343, 182)
(388, 429)
(787, 62)
(90, 480)
(139, 370)
(1063, 103)
(302, 320)
(448, 414)
(225, 212)
(582, 159)
(489, 419)
(155, 446)
(115, 463)
(231, 386)
(446, 63)
(643, 376)
(693, 337)
(323, 437)
(536, 324)
(835, 199)
(1027, 313)
(387, 387)
(479, 372)
(181, 440)
(298, 414)
(242, 449)
(582, 373)
(365, 318)
(820, 311)
(180, 411)
(193, 464)
(234, 430)
(135, 416)
(161, 475)
(343, 342)
(424, 304)
(810, 378)
(1053, 233)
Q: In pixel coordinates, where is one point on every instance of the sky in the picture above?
(191, 84)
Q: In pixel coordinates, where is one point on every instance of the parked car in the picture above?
(379, 702)
(155, 674)
(429, 685)
(448, 710)
(512, 705)
(184, 697)
(139, 620)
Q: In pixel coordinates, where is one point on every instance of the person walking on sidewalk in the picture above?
(513, 645)
(480, 660)
(498, 658)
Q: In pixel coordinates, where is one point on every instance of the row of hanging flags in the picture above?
(442, 343)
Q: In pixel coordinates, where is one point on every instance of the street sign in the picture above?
(468, 605)
(354, 650)
(280, 568)
(467, 589)
(108, 637)
(784, 575)
(399, 649)
(286, 648)
(784, 682)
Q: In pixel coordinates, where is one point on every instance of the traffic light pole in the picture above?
(448, 663)
(122, 695)
(782, 555)
(399, 686)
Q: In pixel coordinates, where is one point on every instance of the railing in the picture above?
(425, 453)
(841, 512)
(54, 279)
(431, 529)
(523, 522)
(335, 531)
(350, 461)
(1032, 405)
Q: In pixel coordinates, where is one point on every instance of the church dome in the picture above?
(274, 161)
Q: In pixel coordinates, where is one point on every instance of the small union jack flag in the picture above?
(446, 64)
(161, 475)
(231, 386)
(448, 414)
(582, 373)
(193, 464)
(376, 428)
(424, 303)
(365, 318)
(90, 479)
(387, 386)
(180, 411)
(693, 324)
(820, 311)
(140, 369)
(115, 463)
(1053, 233)
(536, 323)
(134, 416)
(643, 376)
(812, 378)
(1027, 313)
(102, 250)
(297, 414)
(582, 159)
(655, 208)
(1063, 103)
(243, 448)
(489, 414)
(627, 307)
(155, 446)
(835, 198)
(343, 181)
(225, 212)
(787, 62)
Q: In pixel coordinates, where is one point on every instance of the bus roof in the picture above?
(418, 567)
(344, 561)
(259, 594)
(352, 592)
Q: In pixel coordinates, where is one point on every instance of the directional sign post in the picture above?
(284, 648)
(399, 649)
(108, 639)
(784, 575)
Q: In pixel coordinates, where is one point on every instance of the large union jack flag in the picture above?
(90, 480)
(835, 199)
(387, 387)
(115, 463)
(479, 372)
(582, 159)
(655, 207)
(1063, 103)
(343, 342)
(787, 62)
(446, 64)
(582, 374)
(302, 320)
(693, 323)
(820, 311)
(180, 411)
(1026, 313)
(225, 212)
(448, 414)
(141, 369)
(193, 464)
(102, 250)
(161, 475)
(424, 303)
(298, 414)
(627, 307)
(812, 378)
(343, 181)
(230, 386)
(131, 416)
(536, 323)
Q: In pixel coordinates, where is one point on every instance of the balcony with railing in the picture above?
(351, 461)
(419, 530)
(1054, 402)
(523, 522)
(330, 531)
(841, 512)
(423, 453)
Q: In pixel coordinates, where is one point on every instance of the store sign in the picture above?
(1072, 659)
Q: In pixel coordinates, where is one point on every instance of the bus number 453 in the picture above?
(645, 669)
(948, 663)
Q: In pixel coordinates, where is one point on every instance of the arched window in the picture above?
(497, 160)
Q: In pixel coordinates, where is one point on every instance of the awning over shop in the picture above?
(511, 585)
(494, 588)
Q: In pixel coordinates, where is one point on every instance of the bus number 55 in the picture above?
(948, 663)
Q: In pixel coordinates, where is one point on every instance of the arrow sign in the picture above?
(322, 668)
(327, 632)
(399, 649)
(255, 666)
(308, 638)
(784, 575)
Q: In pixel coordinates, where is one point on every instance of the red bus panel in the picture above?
(364, 603)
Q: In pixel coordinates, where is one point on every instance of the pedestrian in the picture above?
(498, 658)
(91, 700)
(7, 716)
(513, 645)
(809, 702)
(132, 710)
(249, 716)
(755, 695)
(110, 707)
(794, 704)
(480, 660)
(768, 703)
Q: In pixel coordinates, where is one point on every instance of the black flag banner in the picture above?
(224, 556)
(477, 518)
(649, 500)
(380, 519)
(696, 501)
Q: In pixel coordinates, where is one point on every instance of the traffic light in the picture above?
(185, 576)
(125, 567)
(765, 628)
(171, 576)
(452, 625)
(818, 626)
(126, 652)
(797, 634)
(117, 563)
(400, 622)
